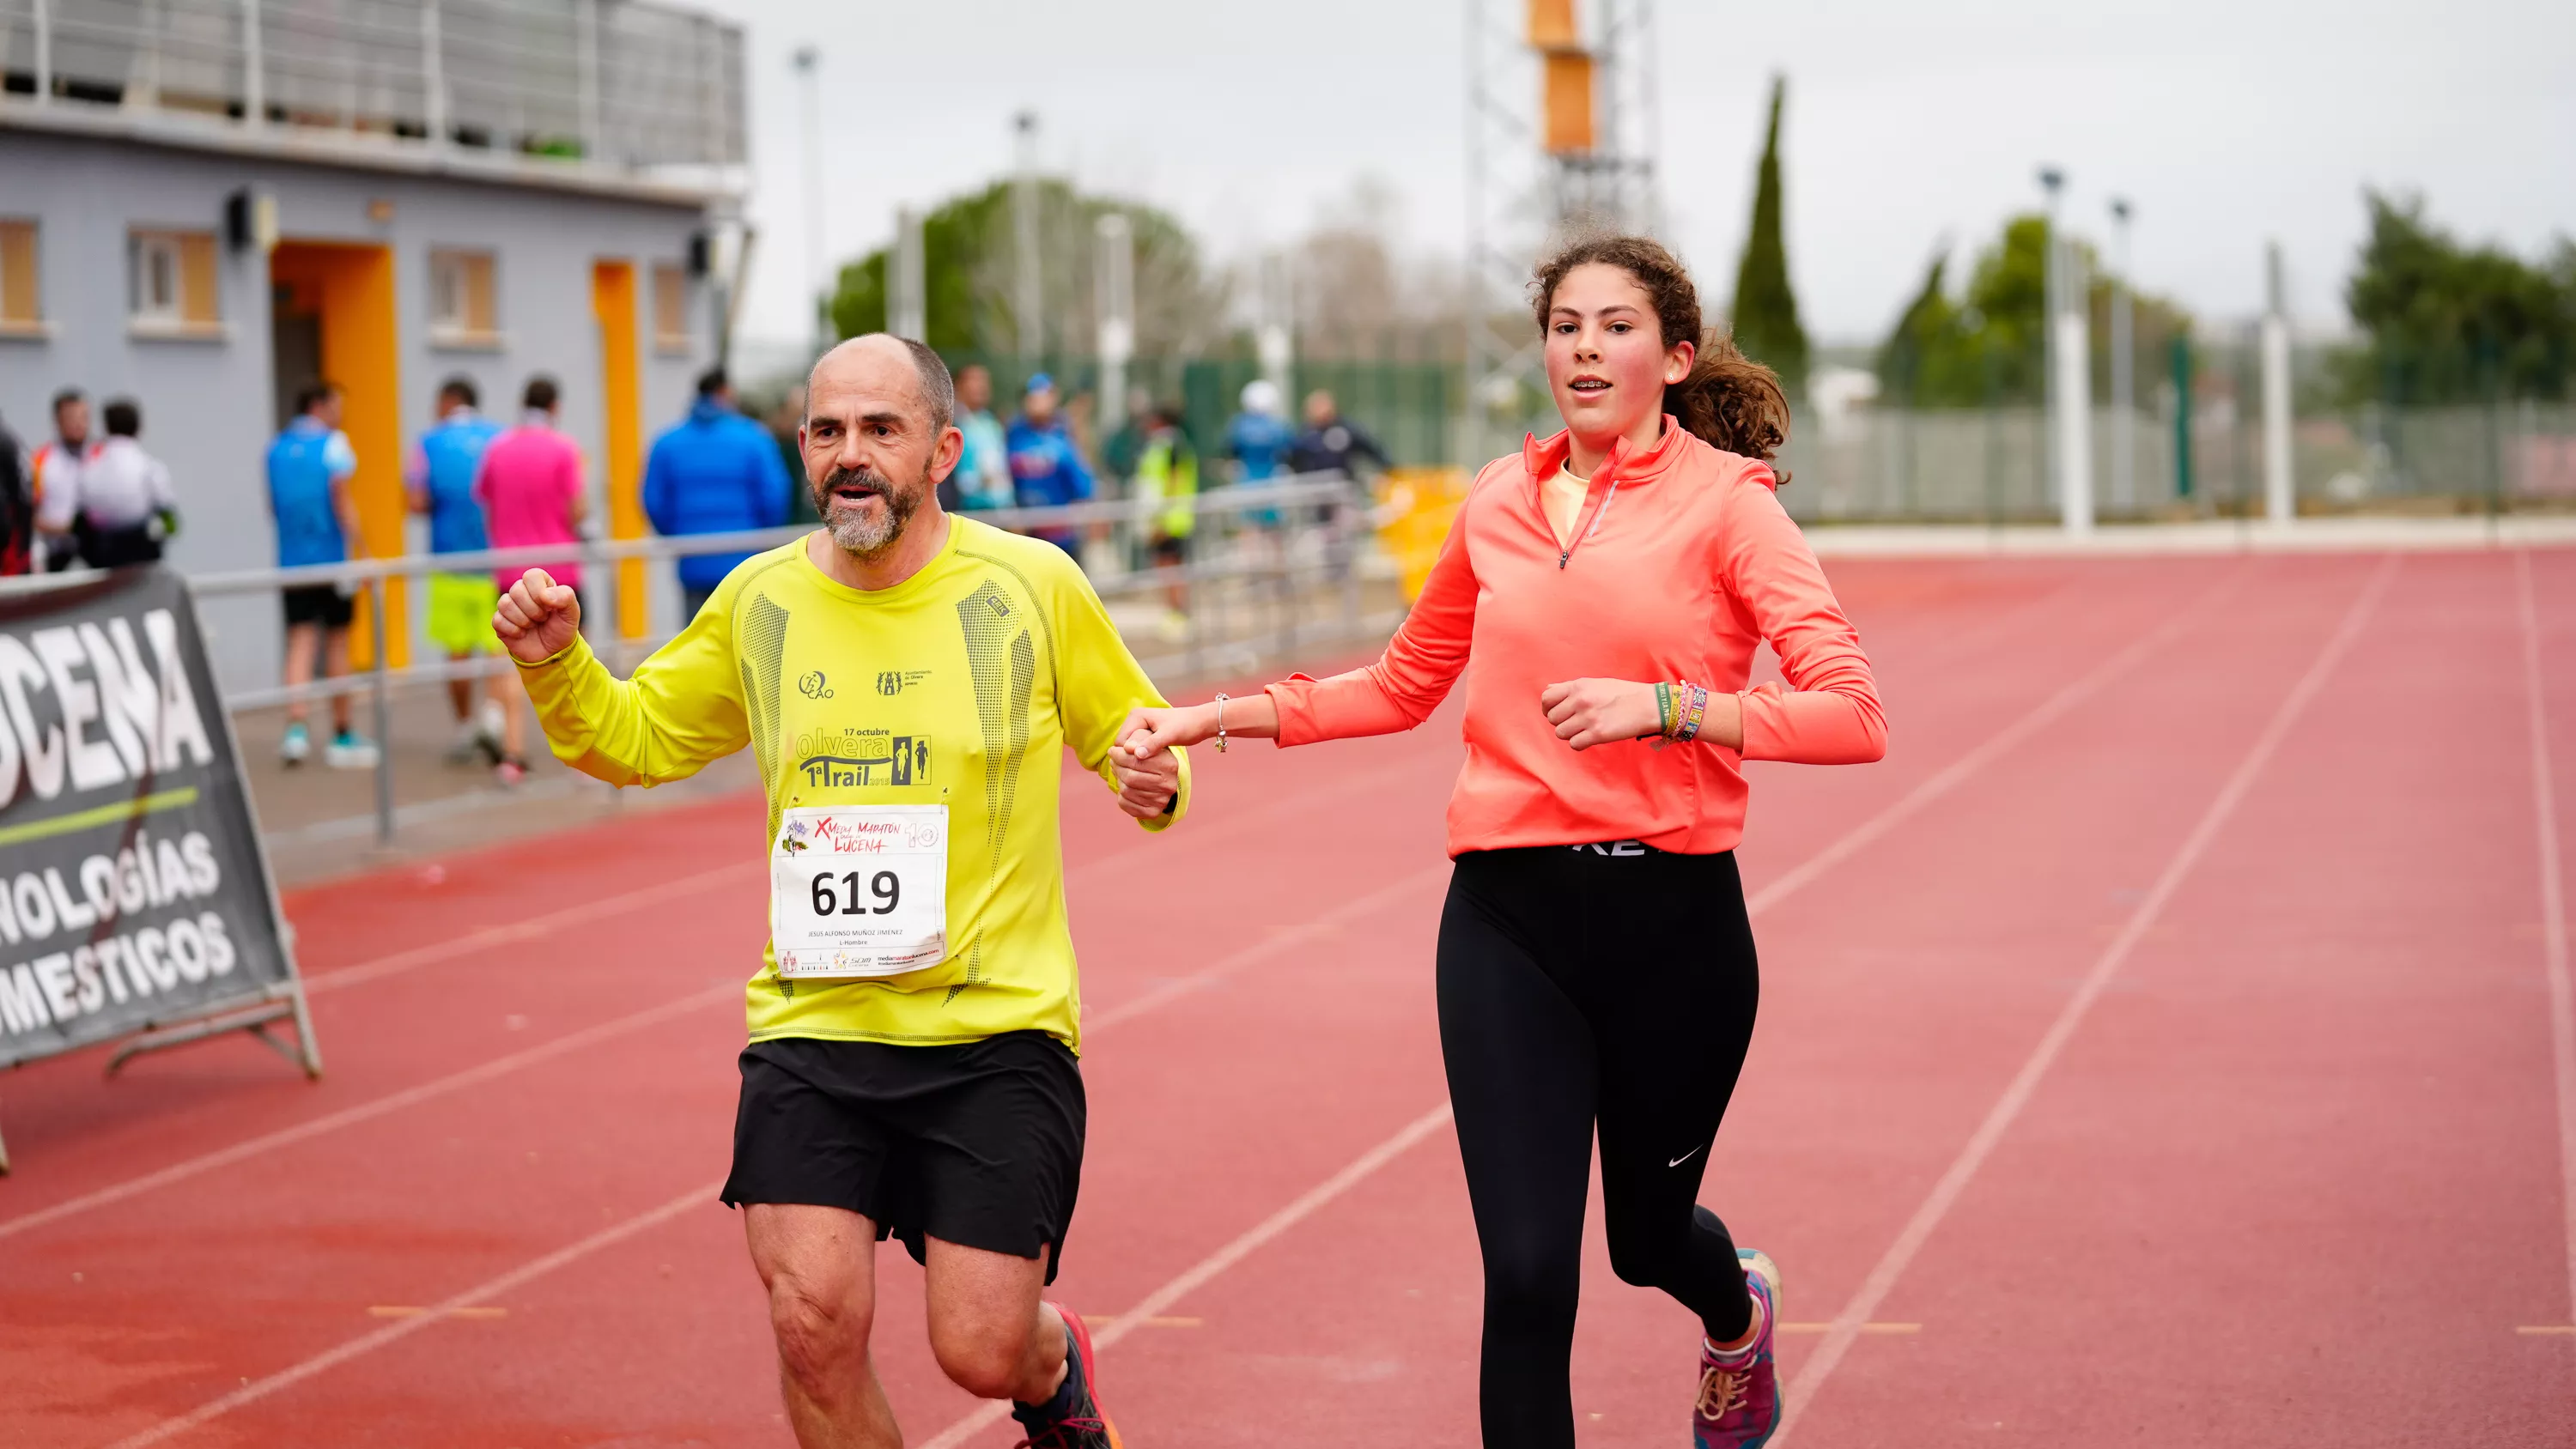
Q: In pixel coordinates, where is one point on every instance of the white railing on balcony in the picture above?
(619, 83)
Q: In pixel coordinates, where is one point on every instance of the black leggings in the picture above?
(1607, 987)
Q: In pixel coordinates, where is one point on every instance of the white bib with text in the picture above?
(859, 891)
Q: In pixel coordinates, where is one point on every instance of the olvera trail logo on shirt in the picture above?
(862, 757)
(892, 682)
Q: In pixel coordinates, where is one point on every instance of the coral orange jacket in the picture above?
(1682, 562)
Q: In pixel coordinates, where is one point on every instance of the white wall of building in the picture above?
(207, 405)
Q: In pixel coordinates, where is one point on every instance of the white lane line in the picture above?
(1996, 746)
(380, 967)
(1304, 933)
(1199, 1274)
(367, 1111)
(1135, 1318)
(523, 930)
(1918, 1229)
(2553, 913)
(700, 1196)
(438, 1087)
(1152, 1000)
(1209, 1268)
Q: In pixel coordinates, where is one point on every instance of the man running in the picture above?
(906, 677)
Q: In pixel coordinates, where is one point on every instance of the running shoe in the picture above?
(1739, 1392)
(510, 772)
(350, 750)
(468, 748)
(297, 746)
(1073, 1419)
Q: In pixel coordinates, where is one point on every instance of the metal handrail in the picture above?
(1332, 491)
(1305, 488)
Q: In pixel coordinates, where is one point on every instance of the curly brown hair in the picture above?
(1729, 401)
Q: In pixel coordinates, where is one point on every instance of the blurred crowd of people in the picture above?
(90, 493)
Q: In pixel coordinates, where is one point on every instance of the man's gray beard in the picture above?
(852, 533)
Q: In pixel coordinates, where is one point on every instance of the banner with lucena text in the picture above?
(133, 891)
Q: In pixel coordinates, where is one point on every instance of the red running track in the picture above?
(2168, 1044)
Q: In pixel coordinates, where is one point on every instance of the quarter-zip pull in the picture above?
(1606, 475)
(1588, 526)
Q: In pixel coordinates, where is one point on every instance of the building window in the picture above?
(462, 309)
(21, 304)
(172, 281)
(670, 309)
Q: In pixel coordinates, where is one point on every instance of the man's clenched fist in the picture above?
(538, 618)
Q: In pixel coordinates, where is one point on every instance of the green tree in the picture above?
(1988, 346)
(2451, 323)
(1766, 310)
(968, 264)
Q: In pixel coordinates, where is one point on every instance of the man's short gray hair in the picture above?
(938, 389)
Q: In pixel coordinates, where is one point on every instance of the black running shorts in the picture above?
(978, 1144)
(321, 604)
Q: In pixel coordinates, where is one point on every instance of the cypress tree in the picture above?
(1766, 311)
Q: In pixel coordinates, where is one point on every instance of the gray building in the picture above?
(206, 204)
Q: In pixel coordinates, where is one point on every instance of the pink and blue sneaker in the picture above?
(1739, 1392)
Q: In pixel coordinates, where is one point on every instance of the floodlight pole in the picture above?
(909, 314)
(818, 263)
(2124, 373)
(1028, 299)
(2070, 390)
(2280, 487)
(1113, 285)
(1275, 340)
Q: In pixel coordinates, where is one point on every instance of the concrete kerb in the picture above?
(2354, 534)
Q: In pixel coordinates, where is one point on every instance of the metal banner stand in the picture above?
(280, 1001)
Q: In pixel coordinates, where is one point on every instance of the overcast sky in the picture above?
(2224, 122)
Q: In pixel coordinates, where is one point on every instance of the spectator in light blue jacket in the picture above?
(1046, 467)
(717, 472)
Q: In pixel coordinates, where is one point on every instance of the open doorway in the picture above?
(332, 318)
(294, 348)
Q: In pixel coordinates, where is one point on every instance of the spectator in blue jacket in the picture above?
(717, 472)
(1258, 439)
(1046, 468)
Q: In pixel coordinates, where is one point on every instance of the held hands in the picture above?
(1148, 783)
(1149, 733)
(538, 618)
(1588, 712)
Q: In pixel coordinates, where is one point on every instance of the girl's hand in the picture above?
(1588, 712)
(1149, 732)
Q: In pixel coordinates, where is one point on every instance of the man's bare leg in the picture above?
(988, 1329)
(335, 665)
(302, 641)
(819, 1265)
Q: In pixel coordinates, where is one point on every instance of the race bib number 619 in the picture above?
(861, 891)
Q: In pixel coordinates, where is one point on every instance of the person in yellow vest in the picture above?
(1167, 473)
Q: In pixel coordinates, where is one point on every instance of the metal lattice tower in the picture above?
(1561, 137)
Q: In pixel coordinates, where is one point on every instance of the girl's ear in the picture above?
(1678, 360)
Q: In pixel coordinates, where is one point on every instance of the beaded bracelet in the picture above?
(1694, 715)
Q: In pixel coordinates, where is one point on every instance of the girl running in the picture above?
(1602, 594)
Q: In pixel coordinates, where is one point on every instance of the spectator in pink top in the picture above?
(532, 492)
(531, 484)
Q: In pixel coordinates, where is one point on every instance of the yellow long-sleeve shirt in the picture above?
(955, 687)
